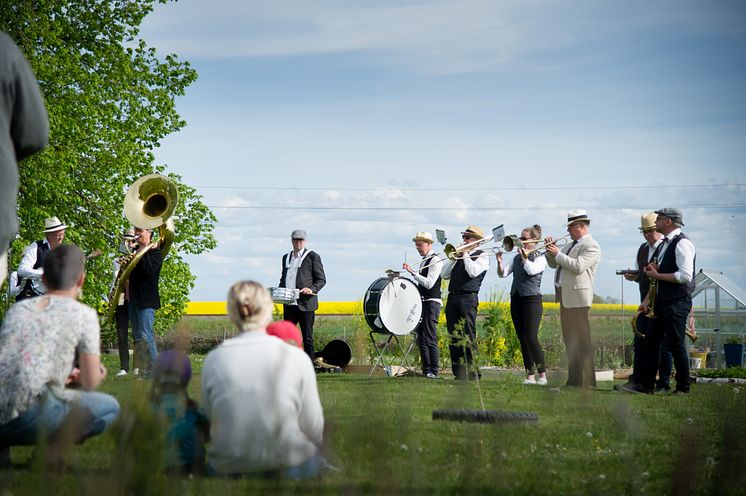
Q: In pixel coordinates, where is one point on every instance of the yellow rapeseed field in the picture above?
(356, 307)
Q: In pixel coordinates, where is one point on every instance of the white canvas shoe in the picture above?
(121, 373)
(529, 381)
(135, 371)
(541, 381)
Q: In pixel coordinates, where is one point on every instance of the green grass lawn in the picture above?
(381, 439)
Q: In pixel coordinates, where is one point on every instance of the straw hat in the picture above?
(423, 236)
(53, 224)
(475, 231)
(647, 222)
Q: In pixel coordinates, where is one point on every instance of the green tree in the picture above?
(111, 100)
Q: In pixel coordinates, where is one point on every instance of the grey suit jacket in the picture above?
(579, 264)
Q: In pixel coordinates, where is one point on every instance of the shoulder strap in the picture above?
(287, 257)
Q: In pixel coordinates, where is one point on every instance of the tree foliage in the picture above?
(111, 100)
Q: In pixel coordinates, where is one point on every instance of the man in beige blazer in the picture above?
(576, 265)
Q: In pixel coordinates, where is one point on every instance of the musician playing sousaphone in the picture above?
(427, 279)
(466, 273)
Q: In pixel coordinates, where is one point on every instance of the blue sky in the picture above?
(364, 122)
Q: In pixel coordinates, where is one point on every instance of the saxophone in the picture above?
(150, 202)
(689, 331)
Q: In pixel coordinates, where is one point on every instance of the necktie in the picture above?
(658, 253)
(559, 267)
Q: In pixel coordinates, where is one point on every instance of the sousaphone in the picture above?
(149, 203)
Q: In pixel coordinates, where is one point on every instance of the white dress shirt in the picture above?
(651, 250)
(684, 254)
(26, 268)
(473, 267)
(293, 263)
(532, 267)
(434, 272)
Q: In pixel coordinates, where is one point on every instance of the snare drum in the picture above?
(392, 305)
(286, 296)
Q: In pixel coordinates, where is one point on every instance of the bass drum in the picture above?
(392, 306)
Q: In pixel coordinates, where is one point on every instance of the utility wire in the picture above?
(532, 188)
(451, 209)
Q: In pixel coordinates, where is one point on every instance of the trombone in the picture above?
(452, 252)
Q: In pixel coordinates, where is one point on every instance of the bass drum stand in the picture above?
(392, 306)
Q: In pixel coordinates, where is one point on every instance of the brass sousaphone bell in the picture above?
(149, 203)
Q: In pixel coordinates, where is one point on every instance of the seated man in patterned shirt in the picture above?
(39, 341)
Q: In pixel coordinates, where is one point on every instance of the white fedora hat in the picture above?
(53, 224)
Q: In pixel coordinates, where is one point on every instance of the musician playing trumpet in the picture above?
(466, 273)
(645, 254)
(526, 308)
(576, 266)
(428, 281)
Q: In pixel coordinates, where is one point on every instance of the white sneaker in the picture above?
(135, 371)
(121, 373)
(529, 381)
(541, 381)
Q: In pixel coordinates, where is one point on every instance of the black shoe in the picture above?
(662, 389)
(679, 391)
(635, 389)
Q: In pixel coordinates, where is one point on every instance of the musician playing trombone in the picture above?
(576, 266)
(526, 308)
(427, 279)
(466, 273)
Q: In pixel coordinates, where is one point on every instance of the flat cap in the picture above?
(672, 213)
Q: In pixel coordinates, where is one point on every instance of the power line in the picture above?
(452, 209)
(519, 189)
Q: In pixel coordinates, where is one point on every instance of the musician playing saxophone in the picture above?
(674, 273)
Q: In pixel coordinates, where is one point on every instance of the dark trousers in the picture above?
(526, 312)
(461, 318)
(665, 363)
(305, 321)
(669, 325)
(638, 347)
(122, 317)
(576, 332)
(427, 336)
(665, 367)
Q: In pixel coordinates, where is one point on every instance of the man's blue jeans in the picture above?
(141, 320)
(46, 414)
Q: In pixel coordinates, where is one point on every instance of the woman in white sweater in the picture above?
(260, 396)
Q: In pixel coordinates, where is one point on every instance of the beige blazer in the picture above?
(579, 266)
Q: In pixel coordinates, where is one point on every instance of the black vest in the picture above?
(460, 280)
(434, 292)
(670, 291)
(524, 284)
(642, 279)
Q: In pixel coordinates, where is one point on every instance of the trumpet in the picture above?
(541, 245)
